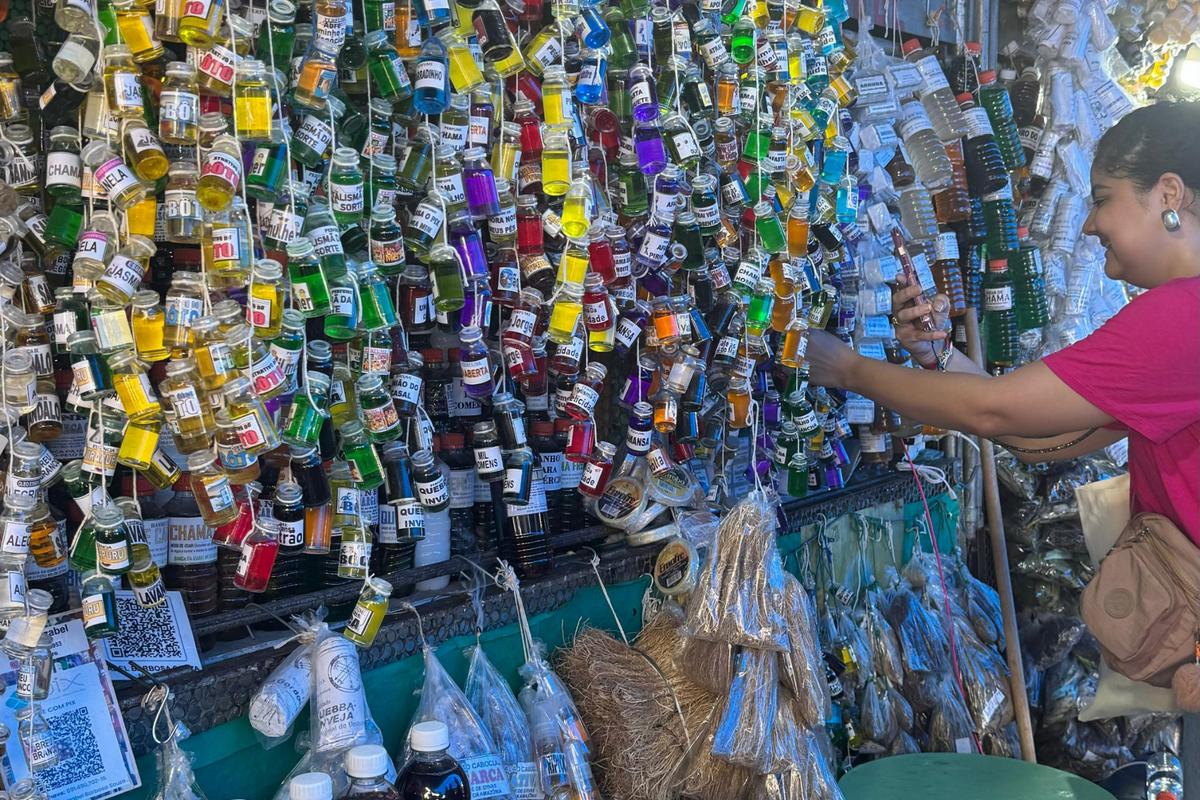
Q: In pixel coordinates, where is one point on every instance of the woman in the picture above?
(1137, 376)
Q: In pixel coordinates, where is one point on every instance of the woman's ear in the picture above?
(1173, 192)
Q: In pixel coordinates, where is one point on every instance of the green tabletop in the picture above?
(934, 776)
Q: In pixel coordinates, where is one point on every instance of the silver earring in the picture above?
(1170, 219)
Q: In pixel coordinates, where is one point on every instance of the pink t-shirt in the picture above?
(1142, 368)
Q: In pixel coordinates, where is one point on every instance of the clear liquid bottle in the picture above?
(935, 93)
(928, 157)
(916, 212)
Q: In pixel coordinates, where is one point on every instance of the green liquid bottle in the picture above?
(999, 318)
(447, 279)
(99, 606)
(307, 413)
(1029, 286)
(360, 453)
(342, 319)
(310, 290)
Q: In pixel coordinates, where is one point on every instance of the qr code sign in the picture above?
(80, 755)
(145, 632)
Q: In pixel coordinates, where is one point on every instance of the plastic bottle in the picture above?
(460, 477)
(1025, 93)
(947, 274)
(550, 456)
(916, 212)
(925, 151)
(986, 171)
(999, 317)
(435, 547)
(994, 98)
(571, 515)
(953, 203)
(1029, 284)
(964, 69)
(935, 93)
(1000, 219)
(367, 767)
(432, 773)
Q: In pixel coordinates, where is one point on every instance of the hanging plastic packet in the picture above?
(505, 720)
(876, 720)
(743, 734)
(546, 697)
(739, 597)
(950, 726)
(802, 667)
(923, 644)
(470, 742)
(284, 694)
(340, 717)
(176, 781)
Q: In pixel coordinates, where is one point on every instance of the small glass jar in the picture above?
(377, 409)
(112, 176)
(518, 477)
(306, 415)
(596, 473)
(220, 174)
(145, 579)
(249, 417)
(214, 494)
(122, 82)
(432, 491)
(184, 221)
(33, 680)
(179, 105)
(185, 303)
(259, 551)
(133, 387)
(369, 611)
(112, 541)
(366, 467)
(266, 301)
(99, 606)
(124, 273)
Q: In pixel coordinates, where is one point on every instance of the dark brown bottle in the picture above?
(192, 555)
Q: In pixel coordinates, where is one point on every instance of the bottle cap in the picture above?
(427, 737)
(965, 97)
(987, 76)
(367, 761)
(311, 786)
(911, 45)
(974, 47)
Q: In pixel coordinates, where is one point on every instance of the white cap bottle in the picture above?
(430, 737)
(367, 761)
(311, 786)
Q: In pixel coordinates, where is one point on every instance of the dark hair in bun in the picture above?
(1152, 141)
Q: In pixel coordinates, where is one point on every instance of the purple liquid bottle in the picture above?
(651, 153)
(482, 198)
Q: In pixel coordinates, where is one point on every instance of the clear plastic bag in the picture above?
(176, 781)
(900, 709)
(545, 696)
(739, 596)
(743, 733)
(983, 610)
(984, 679)
(1069, 687)
(923, 643)
(1050, 637)
(284, 694)
(470, 742)
(708, 664)
(885, 650)
(875, 716)
(950, 726)
(852, 637)
(504, 719)
(802, 668)
(904, 745)
(340, 718)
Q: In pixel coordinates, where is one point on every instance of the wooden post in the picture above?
(995, 520)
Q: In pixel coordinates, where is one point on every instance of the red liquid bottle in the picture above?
(258, 558)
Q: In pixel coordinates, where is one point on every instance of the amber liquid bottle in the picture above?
(953, 204)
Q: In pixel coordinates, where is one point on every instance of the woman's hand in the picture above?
(909, 333)
(829, 360)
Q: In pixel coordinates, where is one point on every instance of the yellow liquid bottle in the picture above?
(198, 22)
(464, 72)
(342, 396)
(220, 175)
(214, 357)
(137, 31)
(810, 20)
(144, 152)
(556, 97)
(133, 388)
(266, 299)
(564, 319)
(148, 322)
(193, 411)
(556, 164)
(252, 102)
(139, 444)
(573, 266)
